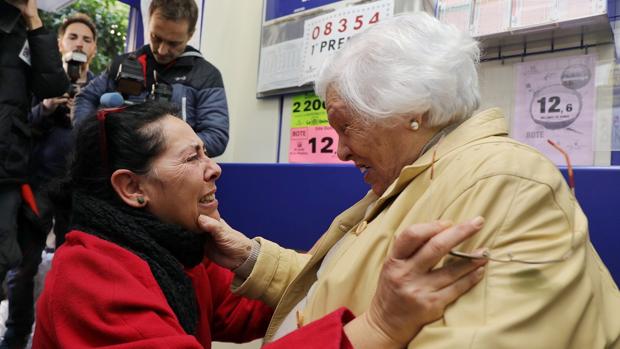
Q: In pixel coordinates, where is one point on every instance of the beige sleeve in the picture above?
(516, 305)
(275, 268)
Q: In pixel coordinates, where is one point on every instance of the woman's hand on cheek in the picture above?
(225, 245)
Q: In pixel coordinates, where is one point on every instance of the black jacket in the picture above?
(44, 77)
(52, 141)
(197, 90)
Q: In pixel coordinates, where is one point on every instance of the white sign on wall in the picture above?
(556, 101)
(53, 5)
(324, 35)
(280, 65)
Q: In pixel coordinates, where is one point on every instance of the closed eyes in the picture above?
(198, 155)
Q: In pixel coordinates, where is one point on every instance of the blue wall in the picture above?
(294, 204)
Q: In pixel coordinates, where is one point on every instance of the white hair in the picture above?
(408, 64)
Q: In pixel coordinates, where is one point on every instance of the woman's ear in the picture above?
(127, 186)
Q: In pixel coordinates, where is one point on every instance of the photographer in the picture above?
(51, 135)
(167, 69)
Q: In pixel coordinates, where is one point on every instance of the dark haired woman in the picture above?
(133, 272)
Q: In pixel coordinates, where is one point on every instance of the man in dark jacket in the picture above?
(51, 132)
(29, 62)
(196, 85)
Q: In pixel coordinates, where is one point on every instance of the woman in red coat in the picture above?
(133, 273)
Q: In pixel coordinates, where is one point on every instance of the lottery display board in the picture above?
(292, 48)
(482, 18)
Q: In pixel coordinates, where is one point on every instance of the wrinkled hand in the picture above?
(410, 293)
(226, 246)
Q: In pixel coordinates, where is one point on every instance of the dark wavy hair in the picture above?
(131, 142)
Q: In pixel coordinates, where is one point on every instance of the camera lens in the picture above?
(161, 92)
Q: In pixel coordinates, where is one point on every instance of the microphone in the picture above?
(75, 60)
(111, 100)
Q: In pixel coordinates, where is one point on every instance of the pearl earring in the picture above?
(415, 125)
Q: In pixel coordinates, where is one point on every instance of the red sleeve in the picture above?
(235, 318)
(326, 333)
(109, 299)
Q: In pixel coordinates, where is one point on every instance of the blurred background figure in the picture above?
(30, 64)
(51, 128)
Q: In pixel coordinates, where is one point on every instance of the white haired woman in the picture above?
(402, 97)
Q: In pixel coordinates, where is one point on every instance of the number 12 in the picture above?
(555, 100)
(326, 148)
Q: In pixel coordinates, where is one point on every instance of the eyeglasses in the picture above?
(509, 257)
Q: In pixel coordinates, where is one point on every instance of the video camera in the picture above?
(130, 81)
(161, 91)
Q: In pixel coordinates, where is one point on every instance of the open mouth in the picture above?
(207, 198)
(363, 168)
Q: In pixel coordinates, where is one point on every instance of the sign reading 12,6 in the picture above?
(555, 107)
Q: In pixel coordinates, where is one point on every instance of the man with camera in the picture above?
(51, 118)
(77, 42)
(167, 69)
(51, 133)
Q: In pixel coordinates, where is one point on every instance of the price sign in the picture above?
(323, 35)
(312, 139)
(556, 100)
(555, 107)
(315, 144)
(308, 110)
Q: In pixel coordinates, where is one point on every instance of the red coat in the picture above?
(98, 294)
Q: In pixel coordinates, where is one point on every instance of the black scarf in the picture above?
(165, 247)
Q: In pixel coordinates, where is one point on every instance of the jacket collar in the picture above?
(487, 123)
(186, 59)
(9, 17)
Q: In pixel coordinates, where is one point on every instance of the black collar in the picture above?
(186, 59)
(9, 16)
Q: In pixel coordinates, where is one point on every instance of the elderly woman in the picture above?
(133, 272)
(401, 97)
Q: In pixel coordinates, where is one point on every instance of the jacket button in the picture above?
(360, 227)
(300, 319)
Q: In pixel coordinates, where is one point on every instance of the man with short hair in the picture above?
(51, 133)
(51, 119)
(168, 69)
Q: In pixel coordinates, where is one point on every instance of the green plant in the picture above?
(110, 17)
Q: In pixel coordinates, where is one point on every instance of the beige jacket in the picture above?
(530, 212)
